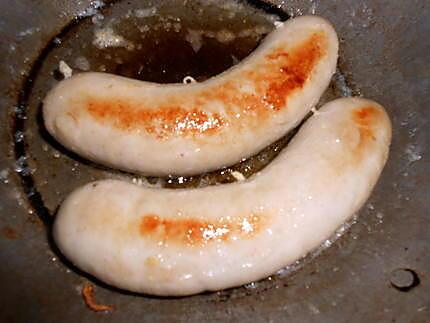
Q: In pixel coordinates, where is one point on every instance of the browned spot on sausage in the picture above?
(296, 68)
(357, 138)
(279, 75)
(197, 232)
(9, 233)
(366, 118)
(160, 122)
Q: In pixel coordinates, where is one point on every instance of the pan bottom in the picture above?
(136, 41)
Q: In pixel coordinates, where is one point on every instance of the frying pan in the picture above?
(378, 270)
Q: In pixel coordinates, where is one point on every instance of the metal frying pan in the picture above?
(379, 270)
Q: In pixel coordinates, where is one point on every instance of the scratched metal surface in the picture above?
(384, 55)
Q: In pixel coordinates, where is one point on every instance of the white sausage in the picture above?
(184, 241)
(187, 129)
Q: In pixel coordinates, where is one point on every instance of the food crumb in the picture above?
(194, 37)
(82, 63)
(88, 296)
(225, 36)
(106, 37)
(65, 69)
(315, 111)
(188, 79)
(4, 175)
(93, 8)
(278, 24)
(146, 12)
(138, 181)
(238, 175)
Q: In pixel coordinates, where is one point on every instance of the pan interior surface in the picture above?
(155, 42)
(365, 273)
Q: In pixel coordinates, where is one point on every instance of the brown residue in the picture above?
(9, 233)
(191, 232)
(279, 75)
(88, 296)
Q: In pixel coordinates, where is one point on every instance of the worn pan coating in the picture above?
(378, 271)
